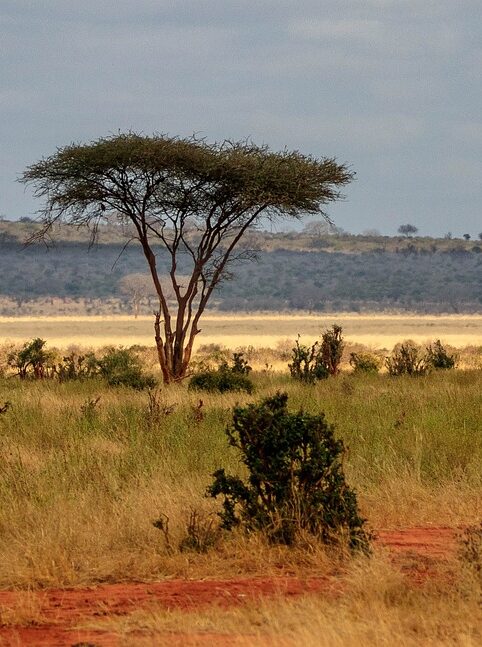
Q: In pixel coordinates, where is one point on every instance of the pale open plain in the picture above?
(259, 330)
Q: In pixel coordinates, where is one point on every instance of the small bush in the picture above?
(32, 360)
(121, 367)
(332, 348)
(364, 363)
(437, 356)
(220, 381)
(322, 359)
(295, 481)
(202, 532)
(406, 359)
(225, 378)
(240, 365)
(77, 367)
(307, 364)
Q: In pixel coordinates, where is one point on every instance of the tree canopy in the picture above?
(197, 199)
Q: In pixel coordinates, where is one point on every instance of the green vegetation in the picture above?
(295, 480)
(364, 363)
(86, 468)
(408, 358)
(121, 367)
(294, 272)
(224, 378)
(322, 359)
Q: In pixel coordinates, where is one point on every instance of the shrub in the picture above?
(32, 360)
(364, 363)
(295, 481)
(437, 356)
(220, 381)
(225, 378)
(406, 360)
(240, 365)
(77, 367)
(317, 362)
(332, 348)
(121, 367)
(307, 364)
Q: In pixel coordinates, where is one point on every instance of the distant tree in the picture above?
(25, 219)
(194, 199)
(467, 236)
(407, 230)
(319, 229)
(136, 287)
(448, 235)
(139, 286)
(480, 235)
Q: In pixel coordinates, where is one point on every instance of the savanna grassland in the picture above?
(86, 469)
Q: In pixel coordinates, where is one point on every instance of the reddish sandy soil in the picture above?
(61, 610)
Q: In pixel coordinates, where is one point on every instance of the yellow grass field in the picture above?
(259, 330)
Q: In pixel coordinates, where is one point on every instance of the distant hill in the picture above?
(294, 271)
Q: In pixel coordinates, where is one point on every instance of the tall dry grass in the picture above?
(80, 486)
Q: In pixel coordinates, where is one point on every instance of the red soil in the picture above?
(62, 609)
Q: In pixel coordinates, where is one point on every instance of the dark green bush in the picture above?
(332, 348)
(364, 363)
(221, 381)
(224, 378)
(307, 364)
(121, 367)
(295, 482)
(77, 367)
(240, 365)
(32, 360)
(437, 356)
(317, 362)
(406, 359)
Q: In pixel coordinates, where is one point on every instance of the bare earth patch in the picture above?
(50, 617)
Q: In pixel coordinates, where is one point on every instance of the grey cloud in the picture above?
(391, 86)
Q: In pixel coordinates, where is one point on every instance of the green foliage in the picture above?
(295, 478)
(332, 348)
(406, 359)
(438, 357)
(32, 360)
(225, 378)
(121, 367)
(364, 363)
(306, 363)
(317, 362)
(77, 367)
(407, 230)
(240, 365)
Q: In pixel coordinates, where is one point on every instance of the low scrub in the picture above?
(408, 358)
(364, 363)
(225, 378)
(322, 359)
(121, 367)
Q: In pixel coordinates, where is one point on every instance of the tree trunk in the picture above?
(173, 353)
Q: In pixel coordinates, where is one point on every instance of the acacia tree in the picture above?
(407, 230)
(191, 198)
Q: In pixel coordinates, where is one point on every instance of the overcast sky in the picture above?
(393, 87)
